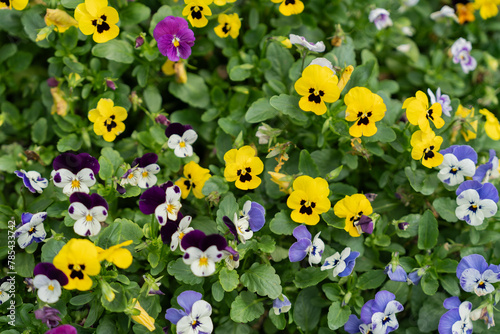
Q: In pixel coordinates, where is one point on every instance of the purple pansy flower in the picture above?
(48, 316)
(398, 274)
(305, 246)
(251, 219)
(143, 171)
(48, 280)
(300, 40)
(381, 312)
(74, 172)
(380, 17)
(203, 251)
(180, 138)
(476, 201)
(195, 318)
(461, 54)
(33, 180)
(174, 38)
(341, 263)
(442, 99)
(488, 170)
(476, 275)
(88, 211)
(457, 320)
(5, 287)
(31, 229)
(163, 201)
(281, 306)
(458, 163)
(364, 224)
(64, 329)
(355, 325)
(174, 231)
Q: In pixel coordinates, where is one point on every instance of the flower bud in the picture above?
(139, 41)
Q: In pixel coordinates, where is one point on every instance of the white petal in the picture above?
(189, 136)
(47, 295)
(40, 281)
(85, 228)
(185, 222)
(174, 241)
(476, 218)
(468, 196)
(246, 208)
(449, 161)
(192, 255)
(464, 310)
(173, 194)
(202, 269)
(39, 232)
(86, 176)
(79, 211)
(214, 254)
(68, 189)
(468, 167)
(161, 214)
(462, 210)
(490, 276)
(183, 152)
(38, 218)
(173, 141)
(487, 207)
(152, 169)
(340, 267)
(99, 213)
(469, 278)
(201, 309)
(393, 307)
(65, 175)
(206, 324)
(184, 326)
(345, 253)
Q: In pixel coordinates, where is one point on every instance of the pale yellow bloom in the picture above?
(60, 19)
(144, 318)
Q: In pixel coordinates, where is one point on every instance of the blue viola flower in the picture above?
(251, 219)
(397, 274)
(476, 201)
(488, 170)
(415, 276)
(381, 312)
(281, 306)
(457, 319)
(33, 180)
(341, 263)
(203, 251)
(31, 229)
(459, 162)
(476, 275)
(195, 316)
(355, 325)
(74, 172)
(305, 246)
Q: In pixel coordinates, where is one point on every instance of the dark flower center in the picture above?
(110, 123)
(315, 95)
(428, 153)
(385, 320)
(364, 118)
(101, 24)
(196, 12)
(6, 2)
(289, 2)
(187, 183)
(481, 285)
(31, 231)
(76, 271)
(307, 207)
(244, 174)
(429, 114)
(355, 219)
(226, 28)
(473, 207)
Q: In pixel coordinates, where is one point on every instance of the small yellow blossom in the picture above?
(309, 199)
(352, 208)
(229, 25)
(17, 4)
(196, 12)
(487, 8)
(119, 256)
(195, 178)
(243, 167)
(426, 147)
(466, 116)
(286, 42)
(492, 126)
(290, 7)
(108, 119)
(96, 18)
(419, 113)
(143, 318)
(283, 181)
(59, 18)
(344, 78)
(364, 108)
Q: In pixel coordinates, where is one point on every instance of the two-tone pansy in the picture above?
(459, 162)
(33, 180)
(364, 108)
(142, 172)
(48, 280)
(476, 275)
(180, 138)
(309, 199)
(380, 17)
(229, 25)
(163, 201)
(355, 209)
(249, 220)
(419, 113)
(203, 251)
(243, 166)
(489, 170)
(89, 211)
(31, 229)
(96, 18)
(174, 38)
(16, 4)
(74, 172)
(108, 119)
(442, 99)
(381, 312)
(173, 231)
(342, 263)
(195, 316)
(458, 319)
(476, 201)
(281, 305)
(194, 179)
(196, 12)
(461, 54)
(425, 147)
(305, 245)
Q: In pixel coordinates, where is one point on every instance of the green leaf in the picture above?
(246, 307)
(307, 165)
(385, 134)
(371, 280)
(119, 303)
(39, 131)
(260, 111)
(430, 313)
(281, 61)
(306, 314)
(217, 291)
(310, 276)
(421, 182)
(240, 72)
(70, 142)
(446, 206)
(262, 278)
(446, 266)
(194, 92)
(153, 98)
(7, 51)
(116, 50)
(331, 219)
(8, 164)
(450, 284)
(227, 207)
(70, 3)
(360, 75)
(289, 106)
(134, 13)
(119, 231)
(228, 279)
(50, 249)
(217, 184)
(25, 263)
(279, 321)
(428, 231)
(182, 272)
(332, 291)
(282, 224)
(338, 315)
(81, 299)
(267, 244)
(429, 284)
(106, 169)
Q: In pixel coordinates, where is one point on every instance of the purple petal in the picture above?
(49, 270)
(81, 198)
(176, 128)
(301, 232)
(174, 315)
(213, 240)
(76, 162)
(398, 276)
(447, 320)
(382, 298)
(233, 252)
(167, 48)
(169, 25)
(184, 50)
(257, 215)
(366, 312)
(488, 191)
(63, 329)
(232, 228)
(186, 36)
(352, 325)
(192, 239)
(451, 303)
(150, 199)
(481, 172)
(414, 277)
(147, 159)
(366, 224)
(298, 250)
(167, 230)
(98, 200)
(187, 298)
(474, 261)
(26, 217)
(448, 150)
(465, 152)
(470, 184)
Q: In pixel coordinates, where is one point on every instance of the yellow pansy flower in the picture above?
(195, 178)
(177, 68)
(17, 4)
(119, 256)
(419, 113)
(309, 199)
(352, 208)
(229, 25)
(364, 108)
(243, 167)
(317, 85)
(487, 8)
(196, 12)
(223, 2)
(108, 119)
(465, 12)
(492, 127)
(466, 115)
(96, 18)
(60, 19)
(143, 318)
(78, 259)
(426, 147)
(290, 7)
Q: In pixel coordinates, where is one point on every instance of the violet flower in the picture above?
(476, 275)
(397, 275)
(49, 316)
(487, 170)
(457, 319)
(381, 312)
(341, 263)
(88, 211)
(355, 325)
(458, 163)
(305, 246)
(195, 316)
(442, 99)
(64, 329)
(74, 172)
(461, 54)
(203, 251)
(31, 229)
(161, 200)
(251, 219)
(139, 41)
(300, 40)
(33, 180)
(52, 82)
(174, 38)
(364, 224)
(380, 17)
(232, 257)
(415, 276)
(49, 280)
(281, 306)
(476, 201)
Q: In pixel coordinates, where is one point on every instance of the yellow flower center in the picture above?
(181, 235)
(194, 323)
(75, 184)
(88, 218)
(176, 42)
(31, 230)
(204, 261)
(182, 144)
(131, 176)
(144, 174)
(170, 208)
(51, 287)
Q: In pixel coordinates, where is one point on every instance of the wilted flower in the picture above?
(467, 117)
(49, 316)
(60, 105)
(300, 40)
(174, 38)
(380, 17)
(143, 318)
(461, 54)
(62, 20)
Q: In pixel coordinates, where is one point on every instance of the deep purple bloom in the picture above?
(281, 306)
(195, 318)
(476, 275)
(203, 251)
(64, 329)
(174, 38)
(74, 172)
(49, 270)
(49, 316)
(457, 319)
(158, 199)
(403, 226)
(459, 162)
(143, 172)
(176, 129)
(366, 224)
(306, 245)
(489, 169)
(52, 82)
(476, 201)
(461, 54)
(442, 99)
(381, 312)
(398, 275)
(33, 180)
(88, 211)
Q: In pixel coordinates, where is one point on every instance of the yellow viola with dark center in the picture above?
(195, 178)
(96, 18)
(108, 119)
(309, 199)
(242, 166)
(364, 108)
(290, 7)
(352, 208)
(229, 25)
(196, 12)
(317, 85)
(419, 113)
(426, 147)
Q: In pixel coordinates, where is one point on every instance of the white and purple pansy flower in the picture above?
(282, 305)
(173, 231)
(180, 138)
(232, 257)
(476, 201)
(48, 280)
(341, 263)
(163, 201)
(443, 99)
(145, 170)
(88, 211)
(459, 162)
(305, 246)
(5, 287)
(33, 180)
(31, 229)
(251, 219)
(476, 275)
(381, 312)
(380, 17)
(74, 172)
(203, 251)
(397, 274)
(444, 12)
(461, 54)
(300, 40)
(457, 320)
(195, 316)
(355, 325)
(488, 170)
